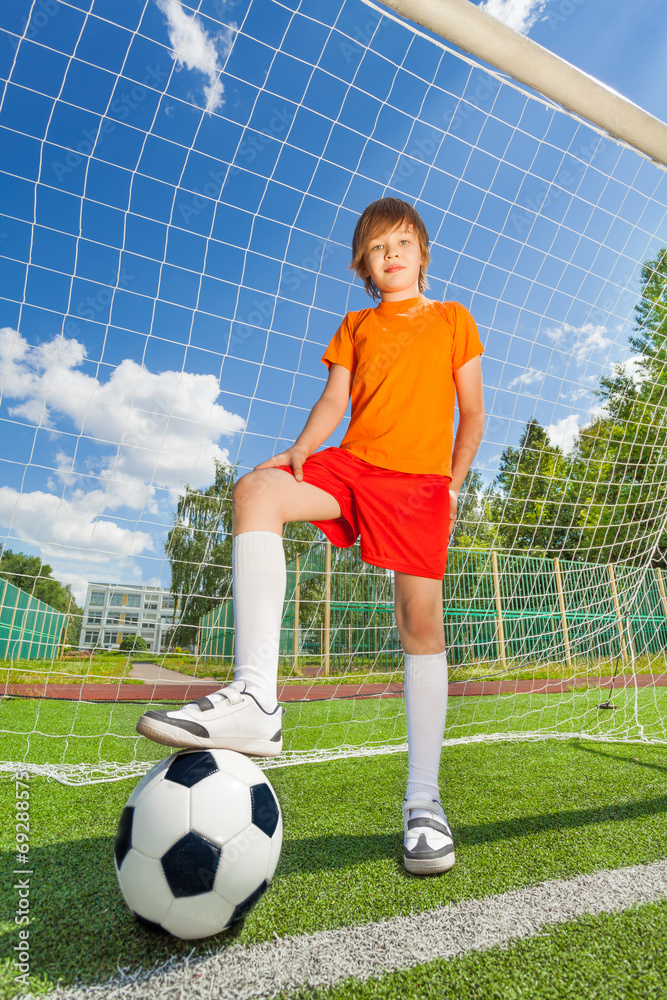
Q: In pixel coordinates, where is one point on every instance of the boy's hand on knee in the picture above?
(453, 509)
(295, 457)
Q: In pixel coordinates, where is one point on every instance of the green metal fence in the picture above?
(497, 609)
(216, 636)
(29, 629)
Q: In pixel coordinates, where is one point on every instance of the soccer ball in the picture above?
(198, 842)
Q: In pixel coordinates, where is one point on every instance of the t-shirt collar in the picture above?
(396, 308)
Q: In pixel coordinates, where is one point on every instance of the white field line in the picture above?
(327, 957)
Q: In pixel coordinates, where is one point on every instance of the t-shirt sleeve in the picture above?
(466, 344)
(341, 349)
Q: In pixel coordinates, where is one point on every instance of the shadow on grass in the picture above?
(80, 927)
(81, 930)
(616, 756)
(342, 851)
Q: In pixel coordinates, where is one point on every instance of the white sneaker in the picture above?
(428, 848)
(229, 719)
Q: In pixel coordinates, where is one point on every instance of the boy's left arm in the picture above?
(470, 398)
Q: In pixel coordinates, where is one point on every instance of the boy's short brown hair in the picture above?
(385, 215)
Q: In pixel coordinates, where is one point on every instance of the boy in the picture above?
(394, 480)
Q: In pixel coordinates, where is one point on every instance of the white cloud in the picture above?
(635, 368)
(139, 432)
(563, 433)
(518, 14)
(46, 519)
(582, 342)
(194, 48)
(164, 428)
(529, 377)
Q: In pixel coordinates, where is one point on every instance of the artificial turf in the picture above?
(521, 813)
(72, 732)
(619, 956)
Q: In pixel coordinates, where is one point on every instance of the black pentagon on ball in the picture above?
(191, 766)
(265, 809)
(190, 865)
(123, 835)
(247, 904)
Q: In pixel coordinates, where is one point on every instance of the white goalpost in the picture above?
(523, 60)
(176, 224)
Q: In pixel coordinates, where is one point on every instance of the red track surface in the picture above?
(316, 692)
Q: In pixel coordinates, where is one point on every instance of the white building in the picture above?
(113, 611)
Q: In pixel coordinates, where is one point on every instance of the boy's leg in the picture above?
(245, 716)
(429, 847)
(263, 502)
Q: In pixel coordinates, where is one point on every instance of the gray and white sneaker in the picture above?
(428, 848)
(228, 719)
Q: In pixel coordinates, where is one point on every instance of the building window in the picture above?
(119, 618)
(91, 638)
(125, 600)
(94, 618)
(97, 597)
(168, 602)
(111, 638)
(150, 606)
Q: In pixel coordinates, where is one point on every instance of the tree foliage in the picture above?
(527, 505)
(472, 529)
(606, 500)
(133, 643)
(620, 458)
(29, 573)
(199, 549)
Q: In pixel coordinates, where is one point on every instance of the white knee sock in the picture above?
(259, 579)
(426, 710)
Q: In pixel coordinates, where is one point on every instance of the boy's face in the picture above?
(393, 259)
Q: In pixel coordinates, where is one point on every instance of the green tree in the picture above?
(133, 643)
(29, 573)
(472, 528)
(199, 548)
(528, 505)
(618, 463)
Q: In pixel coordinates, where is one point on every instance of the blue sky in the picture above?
(180, 185)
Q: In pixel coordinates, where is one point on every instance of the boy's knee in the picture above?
(254, 487)
(419, 624)
(246, 489)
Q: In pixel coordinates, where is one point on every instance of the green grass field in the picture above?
(114, 667)
(521, 813)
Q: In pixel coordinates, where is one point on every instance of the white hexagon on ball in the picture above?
(248, 854)
(216, 817)
(144, 887)
(193, 917)
(156, 827)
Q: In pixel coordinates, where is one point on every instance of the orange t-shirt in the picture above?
(403, 356)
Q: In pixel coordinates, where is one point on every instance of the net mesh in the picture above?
(180, 187)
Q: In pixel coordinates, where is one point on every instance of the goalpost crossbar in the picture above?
(527, 62)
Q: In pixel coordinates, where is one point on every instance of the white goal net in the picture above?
(180, 186)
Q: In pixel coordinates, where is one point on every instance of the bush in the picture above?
(133, 642)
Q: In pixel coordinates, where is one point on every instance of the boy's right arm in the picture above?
(322, 421)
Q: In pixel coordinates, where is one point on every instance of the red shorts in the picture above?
(402, 517)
